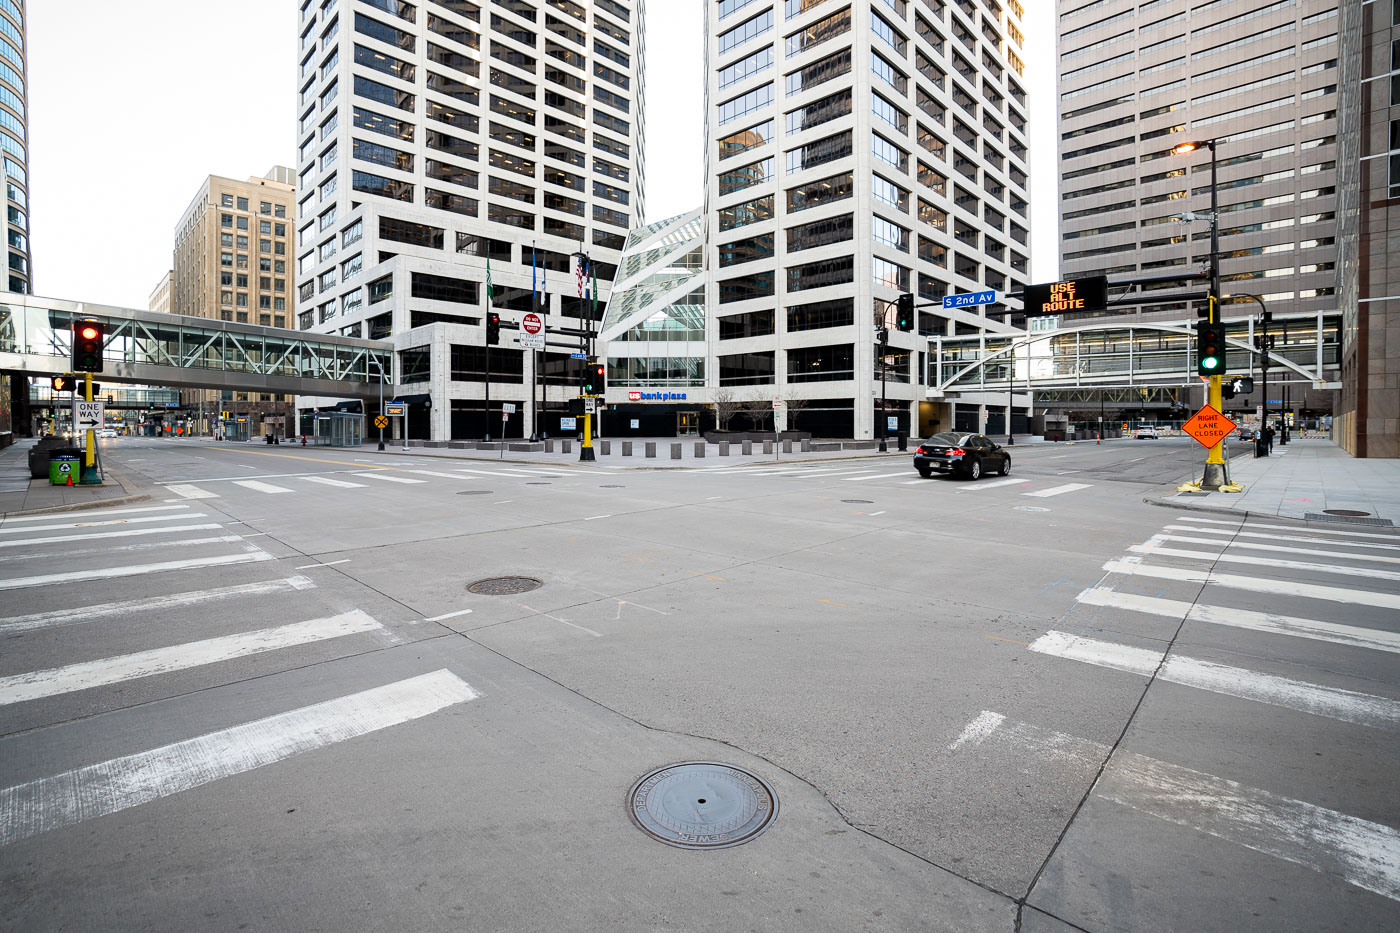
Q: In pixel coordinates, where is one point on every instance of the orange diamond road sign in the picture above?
(1208, 427)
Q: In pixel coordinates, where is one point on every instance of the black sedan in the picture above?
(968, 455)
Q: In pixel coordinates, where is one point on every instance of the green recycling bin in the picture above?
(62, 467)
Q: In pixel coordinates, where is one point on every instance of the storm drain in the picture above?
(702, 805)
(1030, 508)
(537, 483)
(859, 501)
(1346, 513)
(1330, 516)
(475, 492)
(504, 586)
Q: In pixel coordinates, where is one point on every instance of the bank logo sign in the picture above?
(635, 396)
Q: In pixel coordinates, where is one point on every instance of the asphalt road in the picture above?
(266, 698)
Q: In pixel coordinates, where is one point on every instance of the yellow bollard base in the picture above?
(1232, 487)
(1190, 487)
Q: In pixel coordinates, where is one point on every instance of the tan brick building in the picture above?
(232, 262)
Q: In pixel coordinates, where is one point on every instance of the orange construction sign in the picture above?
(1209, 427)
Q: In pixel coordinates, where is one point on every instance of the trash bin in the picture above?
(65, 463)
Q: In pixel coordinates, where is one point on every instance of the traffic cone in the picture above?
(70, 480)
(1098, 438)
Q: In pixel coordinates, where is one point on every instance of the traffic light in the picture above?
(1227, 388)
(493, 328)
(65, 383)
(904, 313)
(1210, 348)
(88, 335)
(594, 379)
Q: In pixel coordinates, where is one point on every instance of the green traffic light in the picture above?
(1210, 362)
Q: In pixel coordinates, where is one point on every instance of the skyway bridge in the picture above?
(152, 348)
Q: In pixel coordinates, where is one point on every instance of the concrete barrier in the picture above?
(699, 450)
(806, 445)
(787, 447)
(651, 449)
(675, 451)
(724, 448)
(549, 445)
(568, 447)
(605, 447)
(627, 448)
(746, 448)
(767, 447)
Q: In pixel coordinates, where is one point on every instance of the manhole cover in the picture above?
(702, 805)
(1346, 513)
(859, 501)
(504, 586)
(475, 492)
(1030, 508)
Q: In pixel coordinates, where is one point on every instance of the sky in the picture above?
(129, 114)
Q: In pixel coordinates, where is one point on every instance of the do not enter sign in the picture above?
(531, 323)
(532, 332)
(1208, 426)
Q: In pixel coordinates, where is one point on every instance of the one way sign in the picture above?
(87, 416)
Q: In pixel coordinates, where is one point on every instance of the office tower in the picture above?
(14, 136)
(232, 262)
(159, 300)
(1139, 77)
(1368, 186)
(440, 140)
(858, 151)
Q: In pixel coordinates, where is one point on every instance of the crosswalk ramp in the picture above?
(1289, 630)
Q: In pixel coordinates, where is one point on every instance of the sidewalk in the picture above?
(18, 493)
(1305, 479)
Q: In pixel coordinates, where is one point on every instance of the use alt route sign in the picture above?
(1208, 426)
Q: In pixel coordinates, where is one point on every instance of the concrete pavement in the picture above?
(18, 493)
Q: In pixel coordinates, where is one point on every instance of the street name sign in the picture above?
(531, 335)
(970, 300)
(87, 416)
(578, 356)
(1208, 427)
(1073, 296)
(508, 408)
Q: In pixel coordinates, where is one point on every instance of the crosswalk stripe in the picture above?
(57, 617)
(1282, 548)
(978, 487)
(1057, 490)
(131, 533)
(111, 786)
(390, 479)
(328, 481)
(33, 529)
(1150, 548)
(857, 479)
(93, 513)
(1253, 620)
(1197, 530)
(252, 555)
(258, 486)
(436, 473)
(1257, 584)
(1362, 709)
(36, 685)
(191, 492)
(1360, 852)
(1312, 531)
(65, 553)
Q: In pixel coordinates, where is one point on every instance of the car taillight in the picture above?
(923, 451)
(957, 452)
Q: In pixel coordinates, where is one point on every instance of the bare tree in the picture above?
(794, 406)
(726, 406)
(758, 407)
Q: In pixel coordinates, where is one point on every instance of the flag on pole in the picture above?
(578, 266)
(490, 292)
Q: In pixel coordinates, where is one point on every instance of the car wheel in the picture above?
(974, 470)
(925, 472)
(1005, 466)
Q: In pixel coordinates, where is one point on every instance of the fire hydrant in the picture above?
(303, 440)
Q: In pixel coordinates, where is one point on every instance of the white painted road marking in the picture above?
(327, 564)
(111, 786)
(191, 492)
(1197, 530)
(131, 533)
(435, 473)
(253, 555)
(390, 479)
(1257, 585)
(857, 479)
(36, 685)
(69, 552)
(1284, 548)
(1346, 705)
(1311, 531)
(1269, 622)
(1150, 548)
(1057, 490)
(93, 513)
(36, 620)
(327, 481)
(258, 486)
(450, 615)
(102, 524)
(977, 487)
(1359, 852)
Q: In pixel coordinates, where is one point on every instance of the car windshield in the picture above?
(947, 439)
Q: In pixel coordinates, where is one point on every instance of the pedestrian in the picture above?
(1269, 435)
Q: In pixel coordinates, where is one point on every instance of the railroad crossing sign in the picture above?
(531, 335)
(1208, 427)
(380, 421)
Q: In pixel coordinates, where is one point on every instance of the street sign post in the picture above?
(970, 300)
(1208, 427)
(531, 335)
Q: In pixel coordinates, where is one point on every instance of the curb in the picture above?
(80, 506)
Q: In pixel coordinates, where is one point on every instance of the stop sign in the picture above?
(531, 324)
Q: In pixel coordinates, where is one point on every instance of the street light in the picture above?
(1216, 474)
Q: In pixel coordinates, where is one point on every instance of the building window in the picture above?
(821, 364)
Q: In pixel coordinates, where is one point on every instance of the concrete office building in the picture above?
(14, 137)
(232, 262)
(1368, 204)
(442, 139)
(159, 300)
(857, 151)
(1139, 77)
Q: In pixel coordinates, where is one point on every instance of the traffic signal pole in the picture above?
(1216, 472)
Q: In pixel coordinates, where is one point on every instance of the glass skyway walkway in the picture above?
(166, 349)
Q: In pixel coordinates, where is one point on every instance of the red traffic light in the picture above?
(88, 332)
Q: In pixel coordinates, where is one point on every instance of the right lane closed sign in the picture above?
(1208, 426)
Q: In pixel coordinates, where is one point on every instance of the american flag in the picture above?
(578, 266)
